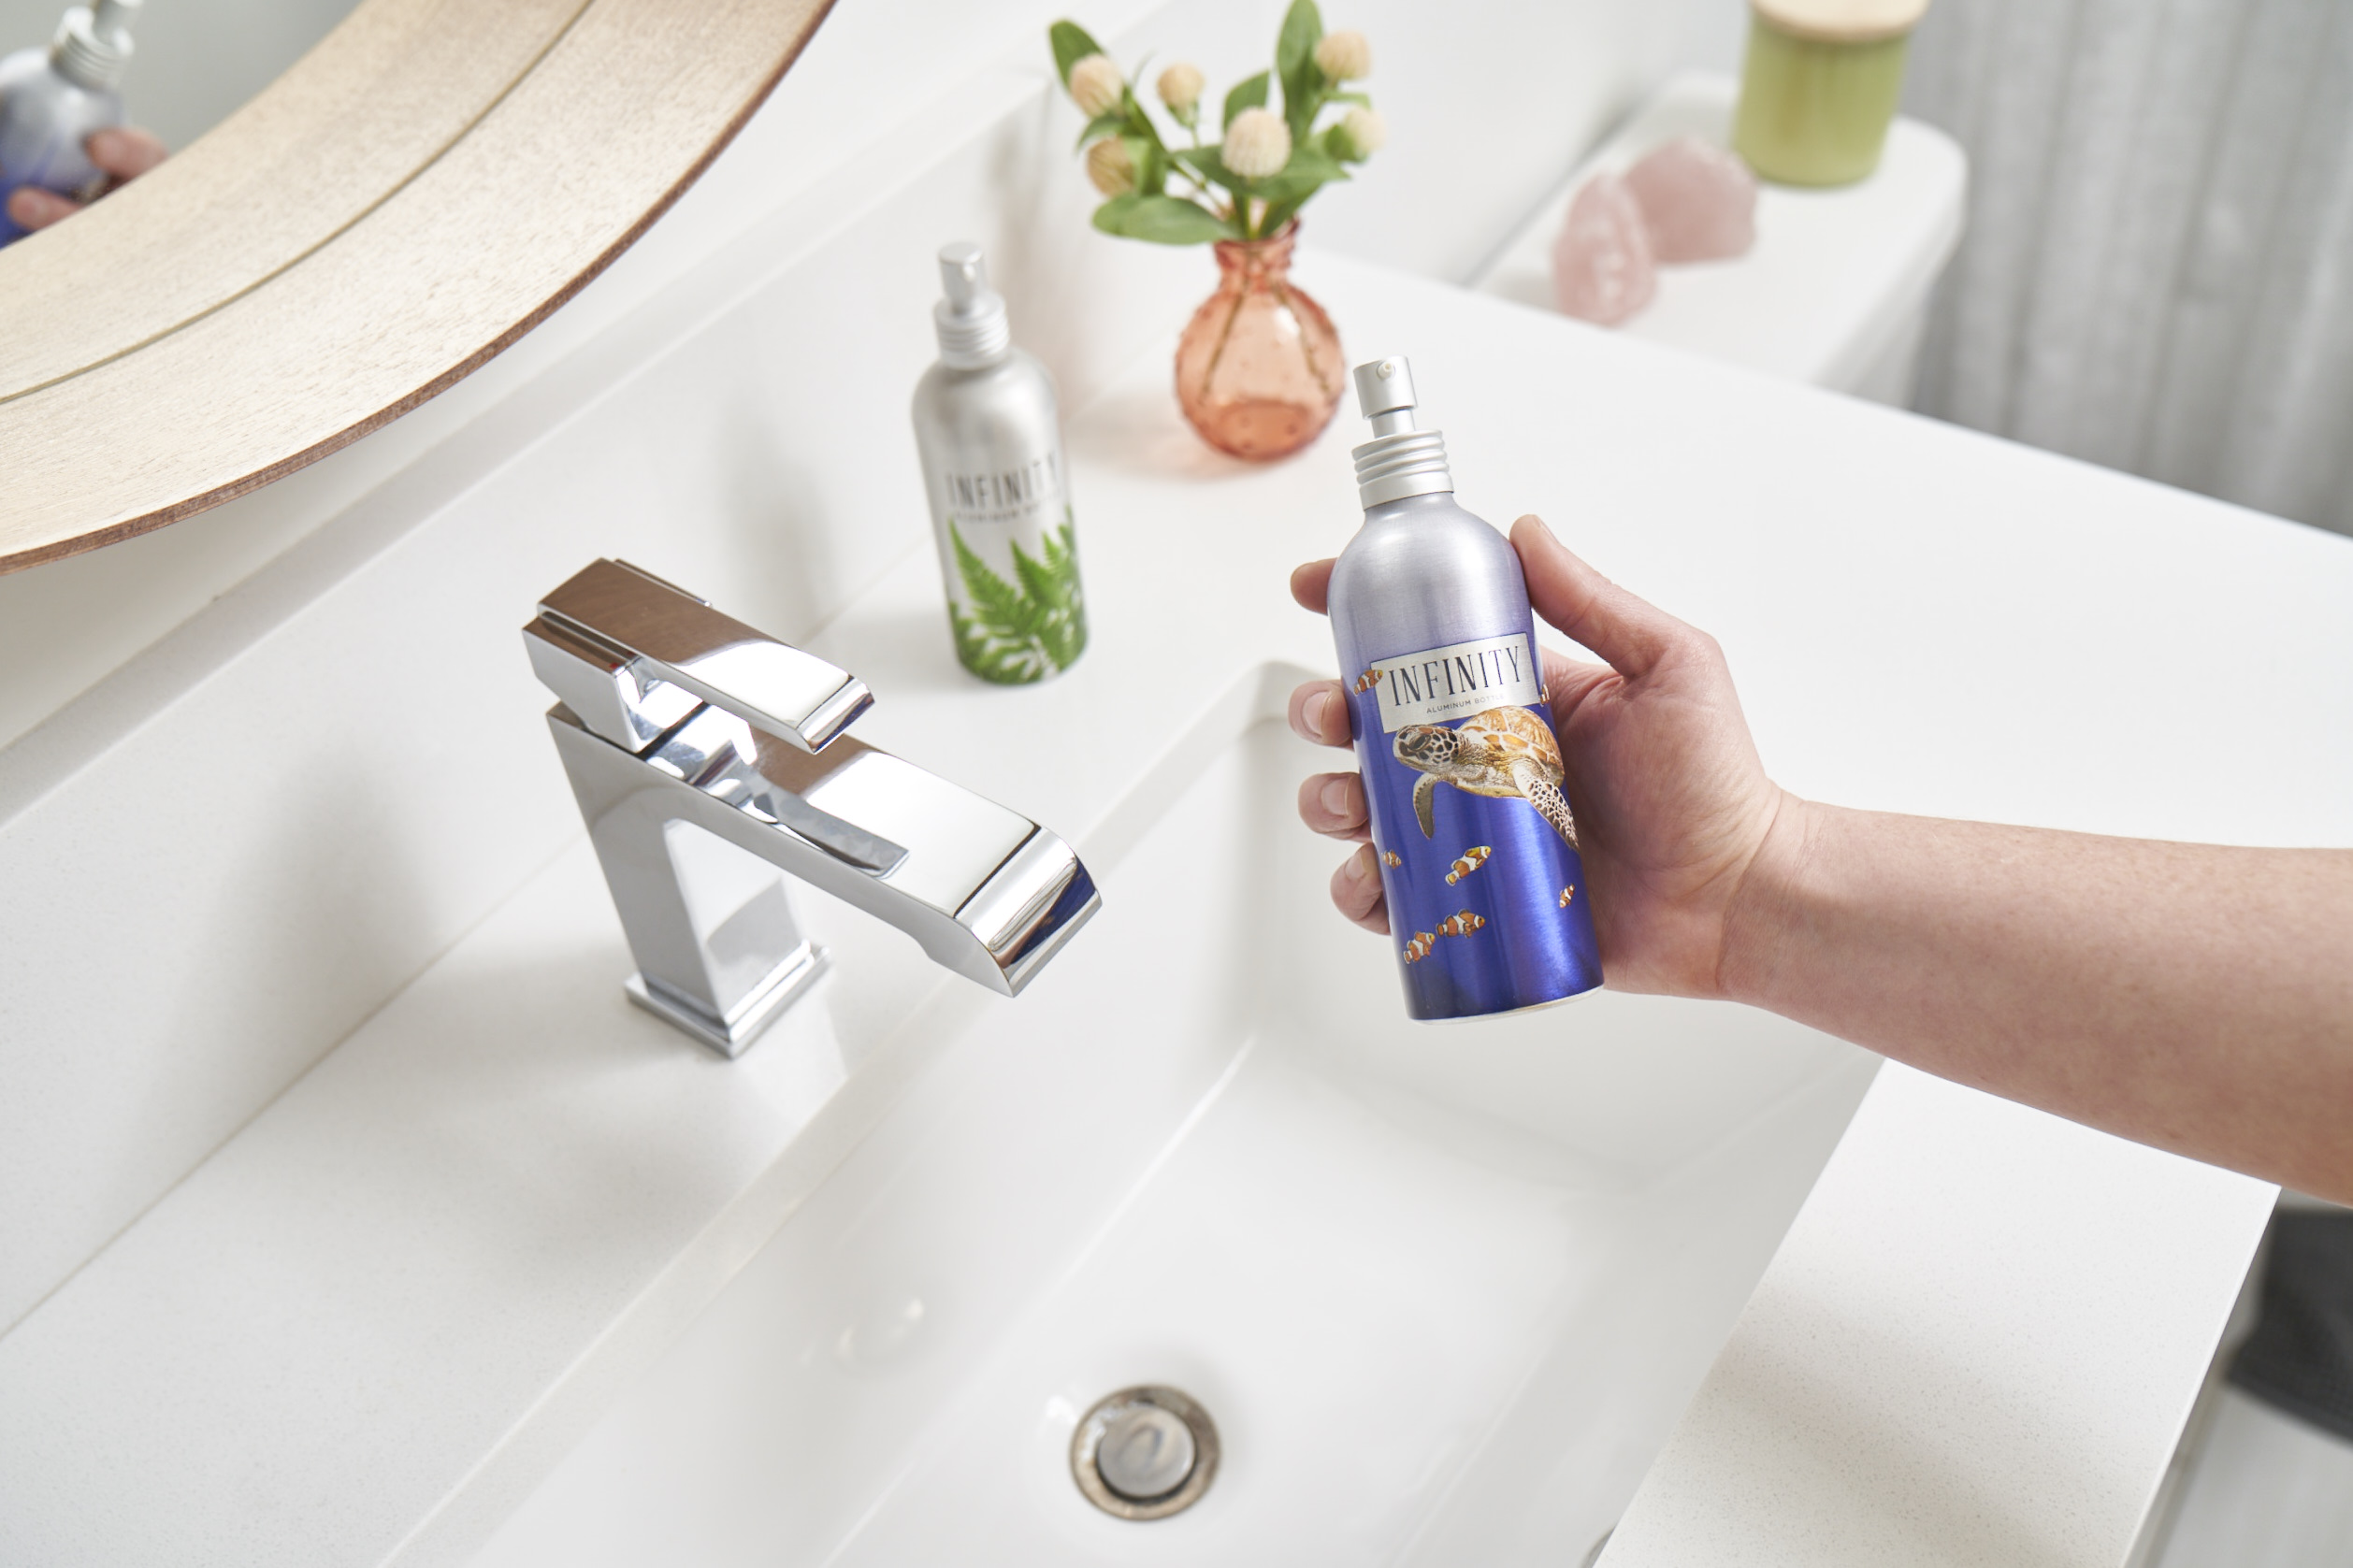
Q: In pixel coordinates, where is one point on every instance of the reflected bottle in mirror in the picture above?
(52, 98)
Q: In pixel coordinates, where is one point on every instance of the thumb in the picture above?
(124, 152)
(1630, 633)
(33, 207)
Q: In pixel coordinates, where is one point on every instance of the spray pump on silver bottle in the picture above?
(51, 100)
(1454, 734)
(990, 436)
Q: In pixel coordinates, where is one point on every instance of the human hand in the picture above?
(121, 153)
(1672, 805)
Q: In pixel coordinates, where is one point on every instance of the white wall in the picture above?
(1491, 103)
(249, 831)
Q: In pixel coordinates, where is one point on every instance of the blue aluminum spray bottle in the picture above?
(1454, 735)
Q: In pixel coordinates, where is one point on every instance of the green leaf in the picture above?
(1308, 162)
(1309, 170)
(1295, 65)
(1296, 45)
(1277, 213)
(1210, 163)
(1111, 217)
(1151, 164)
(1070, 45)
(1103, 124)
(1139, 123)
(1163, 220)
(1013, 634)
(1248, 94)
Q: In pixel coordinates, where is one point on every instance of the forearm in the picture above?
(2191, 997)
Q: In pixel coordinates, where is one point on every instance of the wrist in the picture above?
(1767, 906)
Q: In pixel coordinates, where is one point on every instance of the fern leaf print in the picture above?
(1023, 630)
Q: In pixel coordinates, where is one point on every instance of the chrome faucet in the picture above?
(691, 739)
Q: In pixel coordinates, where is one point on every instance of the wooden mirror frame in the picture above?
(410, 198)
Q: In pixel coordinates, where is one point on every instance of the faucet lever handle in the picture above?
(618, 643)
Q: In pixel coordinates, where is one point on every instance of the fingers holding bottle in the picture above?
(124, 152)
(1311, 585)
(1319, 713)
(1334, 805)
(1630, 633)
(1357, 893)
(120, 152)
(1568, 681)
(30, 208)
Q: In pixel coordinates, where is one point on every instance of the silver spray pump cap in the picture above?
(971, 321)
(1402, 459)
(93, 45)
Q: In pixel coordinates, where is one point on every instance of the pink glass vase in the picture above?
(1259, 367)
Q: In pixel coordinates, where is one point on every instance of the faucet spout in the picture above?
(700, 810)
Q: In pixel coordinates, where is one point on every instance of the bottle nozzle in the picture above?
(1384, 392)
(971, 321)
(963, 276)
(1402, 459)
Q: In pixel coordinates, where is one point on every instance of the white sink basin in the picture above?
(1444, 1289)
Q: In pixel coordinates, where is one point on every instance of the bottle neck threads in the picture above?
(1391, 468)
(1402, 459)
(973, 339)
(90, 50)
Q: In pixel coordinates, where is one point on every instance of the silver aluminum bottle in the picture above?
(989, 432)
(51, 100)
(1454, 733)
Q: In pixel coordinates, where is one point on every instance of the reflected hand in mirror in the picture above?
(121, 153)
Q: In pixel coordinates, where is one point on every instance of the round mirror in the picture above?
(372, 201)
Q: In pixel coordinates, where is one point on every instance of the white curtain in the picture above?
(2158, 273)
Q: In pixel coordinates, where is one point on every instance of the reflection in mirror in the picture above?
(98, 94)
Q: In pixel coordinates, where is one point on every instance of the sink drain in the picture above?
(1145, 1453)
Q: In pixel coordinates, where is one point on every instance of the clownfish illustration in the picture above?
(1391, 857)
(1462, 924)
(1367, 680)
(1419, 948)
(1567, 893)
(1472, 859)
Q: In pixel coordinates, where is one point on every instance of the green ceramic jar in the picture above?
(1820, 87)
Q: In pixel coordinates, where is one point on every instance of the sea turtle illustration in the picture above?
(1502, 752)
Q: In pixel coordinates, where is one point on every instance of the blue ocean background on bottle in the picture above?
(1531, 948)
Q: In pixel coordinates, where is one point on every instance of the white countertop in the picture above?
(366, 1327)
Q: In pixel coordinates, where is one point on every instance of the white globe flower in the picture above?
(1180, 89)
(1111, 167)
(1257, 144)
(1344, 56)
(1095, 84)
(1364, 132)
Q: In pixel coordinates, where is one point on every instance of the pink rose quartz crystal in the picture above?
(1698, 200)
(1601, 264)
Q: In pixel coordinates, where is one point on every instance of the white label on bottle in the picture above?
(1025, 497)
(1442, 685)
